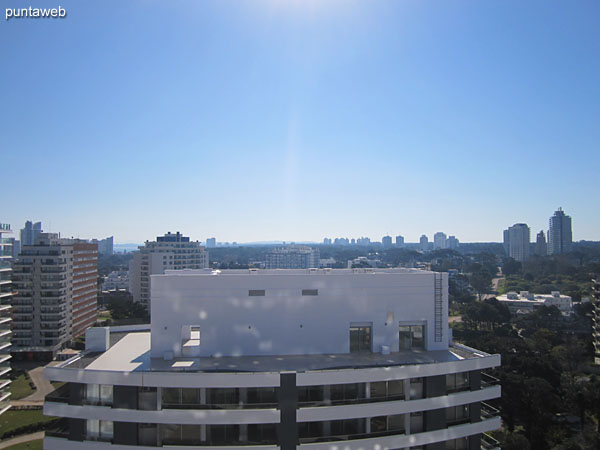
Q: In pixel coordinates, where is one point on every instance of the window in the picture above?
(224, 434)
(360, 339)
(147, 398)
(256, 293)
(412, 337)
(99, 394)
(310, 292)
(416, 422)
(147, 434)
(457, 382)
(99, 430)
(457, 414)
(457, 444)
(384, 424)
(347, 392)
(223, 396)
(264, 433)
(387, 389)
(266, 396)
(416, 388)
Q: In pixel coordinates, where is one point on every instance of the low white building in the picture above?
(313, 359)
(525, 302)
(116, 281)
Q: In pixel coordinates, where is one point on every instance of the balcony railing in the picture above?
(489, 443)
(219, 406)
(59, 395)
(487, 380)
(488, 411)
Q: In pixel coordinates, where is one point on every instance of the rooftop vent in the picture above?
(97, 339)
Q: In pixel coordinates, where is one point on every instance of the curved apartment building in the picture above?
(303, 359)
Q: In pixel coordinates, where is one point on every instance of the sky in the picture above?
(299, 119)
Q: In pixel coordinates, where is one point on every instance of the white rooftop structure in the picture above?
(525, 301)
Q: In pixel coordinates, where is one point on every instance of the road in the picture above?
(42, 386)
(21, 439)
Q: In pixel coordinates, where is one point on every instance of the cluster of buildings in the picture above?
(307, 359)
(517, 241)
(440, 241)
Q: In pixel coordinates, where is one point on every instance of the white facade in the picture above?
(116, 280)
(234, 309)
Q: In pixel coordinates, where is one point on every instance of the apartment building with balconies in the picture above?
(313, 359)
(6, 293)
(173, 251)
(56, 284)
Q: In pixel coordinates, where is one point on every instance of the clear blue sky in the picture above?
(295, 120)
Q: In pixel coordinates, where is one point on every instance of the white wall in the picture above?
(285, 322)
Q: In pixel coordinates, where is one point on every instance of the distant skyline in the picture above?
(298, 120)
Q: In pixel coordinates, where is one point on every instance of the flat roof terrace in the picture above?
(130, 352)
(312, 271)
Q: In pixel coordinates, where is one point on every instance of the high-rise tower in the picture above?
(560, 236)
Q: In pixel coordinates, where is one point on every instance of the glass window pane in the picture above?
(93, 393)
(106, 394)
(190, 396)
(396, 388)
(396, 422)
(416, 422)
(171, 395)
(378, 389)
(378, 424)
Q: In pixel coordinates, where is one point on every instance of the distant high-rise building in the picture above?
(541, 249)
(439, 241)
(327, 241)
(505, 242)
(293, 257)
(211, 242)
(363, 241)
(399, 241)
(16, 247)
(105, 246)
(341, 241)
(171, 251)
(6, 293)
(30, 232)
(424, 243)
(452, 243)
(386, 241)
(56, 300)
(560, 236)
(518, 241)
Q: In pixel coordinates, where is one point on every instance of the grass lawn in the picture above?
(20, 388)
(13, 418)
(31, 445)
